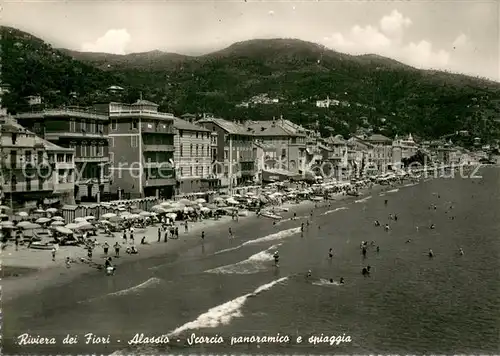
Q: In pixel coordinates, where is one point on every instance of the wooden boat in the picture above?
(42, 246)
(267, 214)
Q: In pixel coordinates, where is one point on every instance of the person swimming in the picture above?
(431, 254)
(386, 227)
(302, 227)
(331, 280)
(461, 251)
(391, 217)
(294, 216)
(276, 257)
(378, 248)
(432, 227)
(385, 202)
(395, 217)
(366, 271)
(341, 280)
(230, 233)
(330, 253)
(408, 241)
(364, 251)
(377, 223)
(309, 274)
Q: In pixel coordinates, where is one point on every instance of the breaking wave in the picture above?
(149, 283)
(253, 264)
(326, 283)
(363, 200)
(224, 313)
(393, 190)
(273, 237)
(334, 210)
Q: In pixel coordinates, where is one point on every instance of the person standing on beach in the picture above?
(53, 253)
(68, 262)
(165, 237)
(132, 234)
(186, 226)
(330, 253)
(231, 233)
(125, 236)
(105, 248)
(117, 249)
(159, 234)
(176, 232)
(203, 235)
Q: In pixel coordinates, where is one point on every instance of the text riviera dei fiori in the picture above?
(193, 339)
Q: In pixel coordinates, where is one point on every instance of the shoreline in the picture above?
(45, 277)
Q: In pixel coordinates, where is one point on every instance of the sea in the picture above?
(226, 296)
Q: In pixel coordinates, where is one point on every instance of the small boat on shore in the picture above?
(42, 246)
(267, 214)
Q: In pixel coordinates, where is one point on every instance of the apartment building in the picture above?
(235, 161)
(361, 154)
(193, 158)
(141, 146)
(403, 147)
(34, 170)
(86, 132)
(382, 152)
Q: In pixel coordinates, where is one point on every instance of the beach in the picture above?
(228, 287)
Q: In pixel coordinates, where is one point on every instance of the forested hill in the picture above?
(374, 92)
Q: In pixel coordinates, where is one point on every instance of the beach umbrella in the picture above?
(90, 217)
(172, 216)
(105, 222)
(201, 201)
(85, 226)
(58, 218)
(116, 218)
(63, 230)
(185, 202)
(40, 211)
(188, 209)
(145, 213)
(3, 216)
(57, 223)
(132, 216)
(51, 210)
(232, 201)
(211, 206)
(205, 209)
(109, 215)
(6, 223)
(72, 226)
(42, 220)
(30, 226)
(4, 207)
(250, 194)
(166, 203)
(121, 209)
(158, 209)
(79, 220)
(23, 214)
(218, 199)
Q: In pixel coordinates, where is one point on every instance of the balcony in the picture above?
(158, 148)
(158, 129)
(90, 159)
(63, 112)
(156, 182)
(54, 136)
(141, 113)
(24, 187)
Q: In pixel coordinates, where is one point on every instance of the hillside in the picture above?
(377, 92)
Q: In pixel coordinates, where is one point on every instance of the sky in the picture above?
(454, 35)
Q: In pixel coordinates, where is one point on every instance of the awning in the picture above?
(278, 175)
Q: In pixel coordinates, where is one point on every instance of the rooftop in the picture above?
(378, 138)
(144, 102)
(180, 124)
(228, 126)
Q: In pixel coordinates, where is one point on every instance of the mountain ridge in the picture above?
(377, 93)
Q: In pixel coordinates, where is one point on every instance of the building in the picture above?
(193, 158)
(141, 146)
(327, 103)
(289, 144)
(361, 153)
(382, 152)
(403, 148)
(34, 171)
(86, 132)
(235, 161)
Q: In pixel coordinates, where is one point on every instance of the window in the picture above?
(134, 141)
(100, 151)
(133, 125)
(60, 158)
(111, 141)
(68, 158)
(181, 133)
(196, 134)
(114, 125)
(28, 157)
(182, 171)
(100, 128)
(181, 149)
(196, 150)
(191, 171)
(72, 126)
(191, 151)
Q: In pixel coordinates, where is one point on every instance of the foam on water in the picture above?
(410, 184)
(326, 283)
(363, 200)
(393, 190)
(224, 313)
(273, 237)
(149, 283)
(291, 219)
(253, 264)
(334, 210)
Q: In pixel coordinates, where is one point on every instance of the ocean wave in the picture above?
(363, 200)
(149, 283)
(410, 184)
(224, 313)
(291, 219)
(393, 190)
(253, 264)
(273, 237)
(326, 283)
(334, 210)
